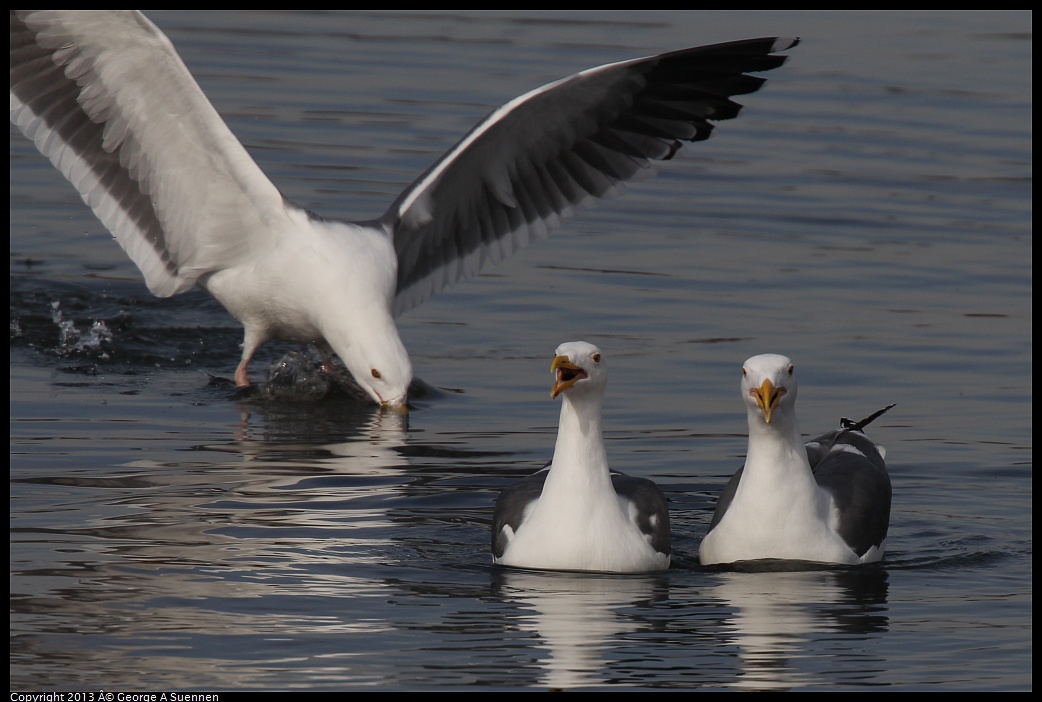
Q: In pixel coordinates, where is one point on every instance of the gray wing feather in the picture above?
(104, 95)
(653, 519)
(853, 470)
(558, 148)
(510, 508)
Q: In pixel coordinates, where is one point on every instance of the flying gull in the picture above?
(577, 514)
(106, 98)
(827, 501)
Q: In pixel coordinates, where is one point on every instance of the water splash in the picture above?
(297, 375)
(72, 340)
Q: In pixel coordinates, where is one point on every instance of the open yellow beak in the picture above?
(566, 374)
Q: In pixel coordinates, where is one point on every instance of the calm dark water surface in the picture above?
(869, 215)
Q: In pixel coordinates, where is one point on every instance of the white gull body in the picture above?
(104, 95)
(577, 514)
(827, 501)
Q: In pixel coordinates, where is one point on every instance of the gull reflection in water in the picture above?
(577, 617)
(785, 623)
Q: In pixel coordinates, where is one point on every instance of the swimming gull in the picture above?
(105, 96)
(576, 514)
(827, 501)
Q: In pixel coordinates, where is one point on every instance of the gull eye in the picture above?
(596, 358)
(791, 368)
(376, 373)
(745, 372)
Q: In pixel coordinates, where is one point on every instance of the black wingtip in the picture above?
(847, 423)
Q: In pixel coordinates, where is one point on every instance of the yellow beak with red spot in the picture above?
(767, 398)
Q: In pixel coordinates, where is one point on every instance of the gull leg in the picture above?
(250, 343)
(241, 378)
